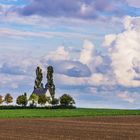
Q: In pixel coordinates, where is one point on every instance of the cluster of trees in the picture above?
(7, 99)
(41, 99)
(34, 99)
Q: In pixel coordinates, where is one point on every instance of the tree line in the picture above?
(34, 100)
(38, 96)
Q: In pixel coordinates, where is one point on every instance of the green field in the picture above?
(43, 113)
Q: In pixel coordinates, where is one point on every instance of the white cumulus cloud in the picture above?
(134, 3)
(126, 97)
(87, 52)
(125, 53)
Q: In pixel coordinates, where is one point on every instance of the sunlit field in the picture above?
(43, 113)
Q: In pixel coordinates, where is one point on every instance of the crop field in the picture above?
(69, 124)
(44, 113)
(75, 128)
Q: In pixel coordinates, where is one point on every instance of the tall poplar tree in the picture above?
(51, 86)
(39, 77)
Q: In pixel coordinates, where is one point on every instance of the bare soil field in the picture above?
(82, 128)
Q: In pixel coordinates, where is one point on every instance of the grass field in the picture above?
(44, 113)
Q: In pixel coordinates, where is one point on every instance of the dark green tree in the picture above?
(39, 77)
(42, 99)
(1, 99)
(66, 100)
(51, 85)
(8, 98)
(34, 99)
(22, 100)
(54, 101)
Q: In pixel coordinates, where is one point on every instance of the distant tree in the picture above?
(34, 99)
(66, 100)
(8, 98)
(39, 77)
(54, 101)
(1, 99)
(42, 99)
(51, 85)
(22, 100)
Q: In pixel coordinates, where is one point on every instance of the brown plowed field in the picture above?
(84, 128)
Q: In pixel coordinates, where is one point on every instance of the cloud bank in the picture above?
(83, 9)
(100, 74)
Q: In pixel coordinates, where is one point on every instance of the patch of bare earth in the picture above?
(82, 128)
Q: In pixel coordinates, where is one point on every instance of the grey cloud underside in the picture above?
(85, 9)
(136, 66)
(105, 67)
(13, 70)
(71, 68)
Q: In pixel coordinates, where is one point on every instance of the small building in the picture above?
(40, 91)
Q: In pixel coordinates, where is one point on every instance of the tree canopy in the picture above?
(42, 99)
(1, 100)
(22, 100)
(66, 100)
(8, 98)
(34, 99)
(54, 101)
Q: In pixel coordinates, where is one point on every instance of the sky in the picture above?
(93, 45)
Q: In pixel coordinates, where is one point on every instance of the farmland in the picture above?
(75, 128)
(44, 113)
(69, 124)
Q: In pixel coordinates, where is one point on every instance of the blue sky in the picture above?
(93, 45)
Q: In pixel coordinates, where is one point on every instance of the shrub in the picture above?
(54, 101)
